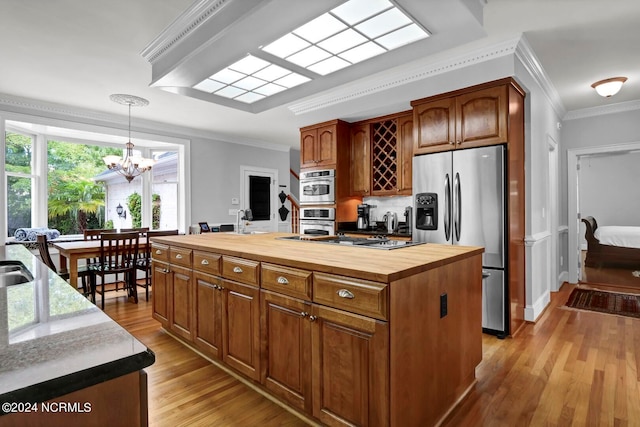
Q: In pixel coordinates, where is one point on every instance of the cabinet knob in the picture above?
(237, 269)
(304, 314)
(283, 280)
(313, 318)
(166, 270)
(204, 262)
(452, 142)
(158, 252)
(345, 293)
(178, 256)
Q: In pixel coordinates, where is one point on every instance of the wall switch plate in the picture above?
(235, 201)
(443, 305)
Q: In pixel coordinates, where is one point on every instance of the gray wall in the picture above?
(215, 176)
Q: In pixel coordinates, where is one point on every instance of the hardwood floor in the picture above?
(570, 368)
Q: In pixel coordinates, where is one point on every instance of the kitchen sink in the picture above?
(13, 273)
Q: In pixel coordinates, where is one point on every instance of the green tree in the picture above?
(134, 202)
(76, 202)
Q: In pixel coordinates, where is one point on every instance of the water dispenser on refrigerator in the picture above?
(426, 211)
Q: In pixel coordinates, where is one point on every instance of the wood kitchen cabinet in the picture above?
(172, 289)
(330, 363)
(381, 156)
(471, 118)
(319, 144)
(207, 332)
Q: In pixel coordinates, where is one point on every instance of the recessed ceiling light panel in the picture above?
(250, 79)
(352, 32)
(355, 11)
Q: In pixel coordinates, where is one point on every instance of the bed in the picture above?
(611, 246)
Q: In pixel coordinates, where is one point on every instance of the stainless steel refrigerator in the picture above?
(459, 199)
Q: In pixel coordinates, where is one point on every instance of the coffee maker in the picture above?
(363, 216)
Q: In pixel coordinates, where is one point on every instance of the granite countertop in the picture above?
(54, 341)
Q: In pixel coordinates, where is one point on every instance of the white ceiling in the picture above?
(78, 52)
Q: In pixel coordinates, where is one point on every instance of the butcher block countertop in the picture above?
(361, 262)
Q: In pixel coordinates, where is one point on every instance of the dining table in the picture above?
(72, 252)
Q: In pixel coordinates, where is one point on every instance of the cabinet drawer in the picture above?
(160, 252)
(289, 281)
(206, 262)
(241, 270)
(180, 256)
(358, 296)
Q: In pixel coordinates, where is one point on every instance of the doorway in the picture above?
(258, 187)
(574, 158)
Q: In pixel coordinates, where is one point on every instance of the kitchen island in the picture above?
(62, 360)
(345, 335)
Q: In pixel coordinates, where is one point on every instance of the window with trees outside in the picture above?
(66, 186)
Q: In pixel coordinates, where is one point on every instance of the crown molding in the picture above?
(621, 107)
(189, 21)
(50, 110)
(530, 61)
(394, 79)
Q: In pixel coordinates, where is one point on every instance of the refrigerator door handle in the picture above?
(457, 205)
(447, 207)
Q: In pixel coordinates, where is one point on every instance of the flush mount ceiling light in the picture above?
(350, 33)
(609, 87)
(130, 166)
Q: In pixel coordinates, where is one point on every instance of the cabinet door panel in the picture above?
(208, 306)
(405, 146)
(482, 117)
(326, 146)
(287, 348)
(308, 147)
(360, 163)
(182, 307)
(350, 368)
(241, 328)
(160, 278)
(434, 124)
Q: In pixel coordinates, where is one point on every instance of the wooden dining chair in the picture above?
(118, 254)
(45, 255)
(144, 260)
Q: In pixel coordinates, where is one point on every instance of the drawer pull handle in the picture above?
(283, 280)
(178, 256)
(237, 269)
(204, 262)
(158, 252)
(344, 293)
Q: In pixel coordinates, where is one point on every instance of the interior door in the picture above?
(259, 194)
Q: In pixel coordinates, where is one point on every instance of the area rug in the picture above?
(605, 302)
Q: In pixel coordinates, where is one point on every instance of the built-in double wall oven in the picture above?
(317, 221)
(317, 192)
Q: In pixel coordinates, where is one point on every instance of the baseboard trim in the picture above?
(532, 312)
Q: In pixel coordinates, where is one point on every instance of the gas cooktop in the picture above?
(378, 242)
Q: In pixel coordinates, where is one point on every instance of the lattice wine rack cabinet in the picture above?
(384, 153)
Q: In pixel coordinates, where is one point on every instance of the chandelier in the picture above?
(130, 166)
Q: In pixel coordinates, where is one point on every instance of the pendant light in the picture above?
(130, 166)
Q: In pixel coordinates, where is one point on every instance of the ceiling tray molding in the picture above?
(392, 79)
(189, 21)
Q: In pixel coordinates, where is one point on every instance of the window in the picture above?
(20, 180)
(56, 178)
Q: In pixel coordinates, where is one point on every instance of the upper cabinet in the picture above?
(381, 156)
(468, 119)
(319, 144)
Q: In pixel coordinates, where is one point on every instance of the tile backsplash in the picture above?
(395, 204)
